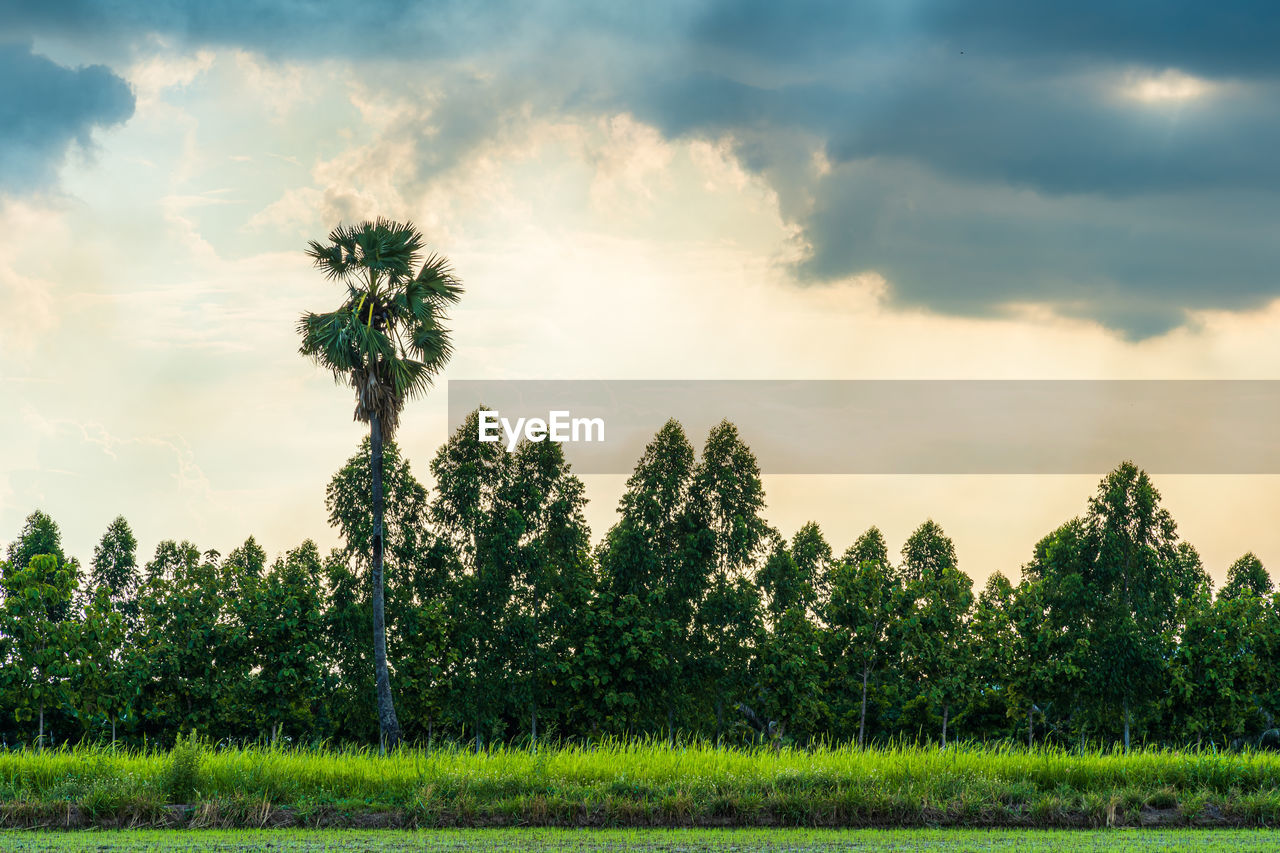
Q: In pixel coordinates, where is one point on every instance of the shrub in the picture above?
(183, 780)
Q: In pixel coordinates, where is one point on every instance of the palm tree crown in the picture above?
(387, 340)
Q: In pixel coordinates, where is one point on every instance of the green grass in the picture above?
(640, 785)
(667, 840)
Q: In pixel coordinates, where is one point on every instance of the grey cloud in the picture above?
(1217, 39)
(45, 108)
(1135, 264)
(980, 154)
(1014, 171)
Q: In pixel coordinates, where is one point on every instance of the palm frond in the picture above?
(388, 340)
(432, 345)
(437, 283)
(410, 377)
(332, 260)
(372, 342)
(331, 341)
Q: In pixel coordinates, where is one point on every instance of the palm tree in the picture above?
(386, 342)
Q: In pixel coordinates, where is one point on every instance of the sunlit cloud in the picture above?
(164, 70)
(1170, 86)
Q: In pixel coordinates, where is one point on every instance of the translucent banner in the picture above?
(898, 426)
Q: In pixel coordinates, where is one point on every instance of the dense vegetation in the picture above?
(692, 618)
(638, 784)
(664, 840)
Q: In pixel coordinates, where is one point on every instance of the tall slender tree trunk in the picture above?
(533, 727)
(862, 719)
(40, 731)
(1031, 727)
(388, 725)
(946, 712)
(1126, 724)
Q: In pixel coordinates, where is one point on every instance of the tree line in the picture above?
(692, 617)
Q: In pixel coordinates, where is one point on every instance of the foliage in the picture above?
(639, 783)
(40, 535)
(387, 340)
(522, 839)
(115, 565)
(691, 619)
(864, 613)
(182, 779)
(1247, 575)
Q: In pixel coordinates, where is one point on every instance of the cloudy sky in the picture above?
(907, 189)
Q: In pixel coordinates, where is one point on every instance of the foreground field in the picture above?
(638, 785)
(667, 840)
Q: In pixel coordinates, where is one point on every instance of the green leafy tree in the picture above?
(863, 611)
(1265, 635)
(790, 666)
(728, 626)
(244, 566)
(927, 552)
(472, 511)
(41, 536)
(418, 609)
(240, 580)
(1247, 574)
(1049, 652)
(115, 566)
(1219, 668)
(796, 576)
(388, 342)
(992, 652)
(1135, 576)
(106, 682)
(640, 654)
(936, 624)
(555, 579)
(521, 575)
(286, 635)
(183, 645)
(790, 676)
(726, 499)
(42, 648)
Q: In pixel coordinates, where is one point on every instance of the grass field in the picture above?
(639, 785)
(666, 840)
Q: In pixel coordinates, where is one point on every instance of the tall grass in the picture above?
(651, 782)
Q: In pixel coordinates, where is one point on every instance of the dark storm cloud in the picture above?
(986, 154)
(969, 249)
(414, 30)
(1228, 38)
(1236, 37)
(981, 153)
(247, 22)
(45, 107)
(1051, 118)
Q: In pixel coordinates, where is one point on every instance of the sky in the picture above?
(684, 190)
